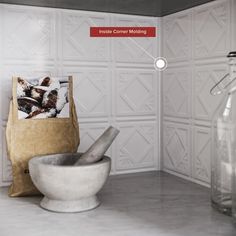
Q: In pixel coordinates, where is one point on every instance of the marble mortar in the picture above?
(68, 187)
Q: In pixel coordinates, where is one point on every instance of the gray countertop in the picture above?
(152, 204)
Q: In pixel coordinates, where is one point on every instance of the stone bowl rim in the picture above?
(38, 161)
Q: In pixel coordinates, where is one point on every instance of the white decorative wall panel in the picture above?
(89, 133)
(177, 92)
(205, 78)
(196, 42)
(28, 34)
(6, 173)
(176, 139)
(177, 36)
(91, 91)
(212, 29)
(40, 41)
(202, 154)
(6, 97)
(135, 92)
(116, 84)
(135, 50)
(136, 146)
(77, 44)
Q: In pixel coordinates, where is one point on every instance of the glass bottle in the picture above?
(223, 140)
(234, 189)
(234, 162)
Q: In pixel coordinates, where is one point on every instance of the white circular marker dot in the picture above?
(160, 63)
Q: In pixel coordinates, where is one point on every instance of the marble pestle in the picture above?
(99, 147)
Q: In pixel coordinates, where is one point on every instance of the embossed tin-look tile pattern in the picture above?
(115, 82)
(195, 42)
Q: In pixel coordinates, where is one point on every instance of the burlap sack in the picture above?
(32, 137)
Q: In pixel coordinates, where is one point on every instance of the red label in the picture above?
(122, 31)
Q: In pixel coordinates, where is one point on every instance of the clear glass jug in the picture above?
(234, 189)
(223, 140)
